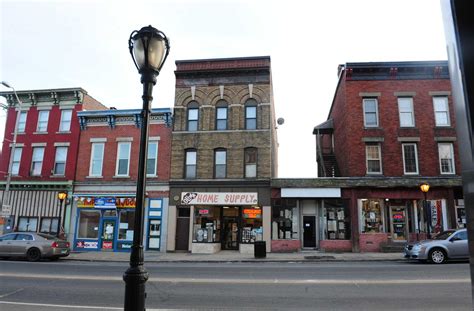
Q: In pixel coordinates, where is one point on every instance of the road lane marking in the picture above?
(247, 281)
(68, 306)
(11, 293)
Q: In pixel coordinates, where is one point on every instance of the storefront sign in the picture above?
(106, 202)
(107, 245)
(252, 213)
(203, 211)
(85, 244)
(219, 198)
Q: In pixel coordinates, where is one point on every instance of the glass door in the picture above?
(398, 216)
(108, 234)
(154, 234)
(230, 232)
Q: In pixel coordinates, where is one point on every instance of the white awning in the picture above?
(311, 192)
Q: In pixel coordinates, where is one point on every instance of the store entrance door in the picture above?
(230, 233)
(108, 234)
(309, 231)
(399, 223)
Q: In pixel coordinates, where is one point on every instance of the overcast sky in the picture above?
(57, 44)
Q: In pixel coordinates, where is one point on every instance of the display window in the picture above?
(126, 226)
(372, 216)
(252, 228)
(337, 220)
(285, 224)
(207, 224)
(88, 227)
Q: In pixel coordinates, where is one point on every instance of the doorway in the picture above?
(182, 229)
(230, 226)
(108, 234)
(398, 223)
(309, 231)
(154, 234)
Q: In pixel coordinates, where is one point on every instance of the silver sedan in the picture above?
(449, 244)
(33, 246)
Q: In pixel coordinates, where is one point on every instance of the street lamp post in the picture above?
(425, 187)
(6, 193)
(149, 48)
(61, 196)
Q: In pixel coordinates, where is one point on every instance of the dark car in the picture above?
(33, 246)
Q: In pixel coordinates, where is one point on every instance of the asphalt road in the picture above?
(68, 285)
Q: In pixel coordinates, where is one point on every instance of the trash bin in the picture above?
(260, 249)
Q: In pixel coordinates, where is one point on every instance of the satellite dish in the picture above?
(280, 121)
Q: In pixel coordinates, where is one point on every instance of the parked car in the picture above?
(449, 244)
(33, 246)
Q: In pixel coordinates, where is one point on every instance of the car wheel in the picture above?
(33, 254)
(437, 256)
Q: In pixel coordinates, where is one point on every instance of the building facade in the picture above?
(44, 158)
(223, 155)
(103, 214)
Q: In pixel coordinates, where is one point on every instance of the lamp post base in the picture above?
(135, 295)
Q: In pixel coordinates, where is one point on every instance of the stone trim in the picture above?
(38, 145)
(124, 139)
(370, 94)
(154, 138)
(440, 139)
(373, 139)
(404, 94)
(98, 140)
(62, 144)
(18, 145)
(408, 139)
(439, 93)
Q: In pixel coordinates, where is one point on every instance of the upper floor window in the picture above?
(446, 158)
(221, 115)
(405, 110)
(37, 161)
(123, 159)
(16, 161)
(374, 159)
(251, 114)
(220, 163)
(193, 117)
(410, 159)
(441, 110)
(65, 123)
(250, 162)
(190, 165)
(371, 113)
(22, 122)
(43, 117)
(60, 161)
(97, 157)
(152, 158)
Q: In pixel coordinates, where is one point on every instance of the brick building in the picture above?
(223, 155)
(45, 157)
(105, 181)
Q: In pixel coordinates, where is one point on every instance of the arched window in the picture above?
(193, 116)
(251, 114)
(220, 163)
(190, 164)
(250, 162)
(221, 115)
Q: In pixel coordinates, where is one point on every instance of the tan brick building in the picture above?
(223, 155)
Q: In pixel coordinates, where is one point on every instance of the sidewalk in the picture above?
(235, 256)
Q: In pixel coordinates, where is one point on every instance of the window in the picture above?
(123, 159)
(338, 222)
(190, 165)
(27, 224)
(285, 216)
(50, 225)
(193, 117)
(410, 159)
(22, 122)
(221, 115)
(37, 161)
(374, 160)
(97, 156)
(405, 110)
(16, 161)
(441, 110)
(252, 228)
(251, 115)
(206, 226)
(88, 225)
(127, 223)
(372, 216)
(60, 161)
(250, 162)
(446, 158)
(152, 158)
(42, 121)
(65, 124)
(371, 115)
(24, 237)
(220, 159)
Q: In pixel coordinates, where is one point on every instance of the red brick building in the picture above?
(45, 157)
(105, 181)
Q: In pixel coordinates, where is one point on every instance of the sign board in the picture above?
(219, 198)
(6, 210)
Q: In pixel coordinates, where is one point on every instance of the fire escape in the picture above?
(325, 157)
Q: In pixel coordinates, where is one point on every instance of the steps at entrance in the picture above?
(392, 247)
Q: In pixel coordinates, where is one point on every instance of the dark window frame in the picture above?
(246, 151)
(251, 103)
(186, 166)
(50, 225)
(192, 106)
(216, 164)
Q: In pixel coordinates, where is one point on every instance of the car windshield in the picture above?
(443, 235)
(47, 236)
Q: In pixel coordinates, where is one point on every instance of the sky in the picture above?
(84, 43)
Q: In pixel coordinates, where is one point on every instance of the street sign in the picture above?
(6, 210)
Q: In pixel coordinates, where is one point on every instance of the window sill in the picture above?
(151, 176)
(63, 132)
(373, 128)
(92, 177)
(374, 174)
(57, 176)
(121, 176)
(41, 133)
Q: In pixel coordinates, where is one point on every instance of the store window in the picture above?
(50, 225)
(252, 228)
(337, 220)
(88, 225)
(127, 224)
(27, 224)
(372, 216)
(207, 224)
(284, 220)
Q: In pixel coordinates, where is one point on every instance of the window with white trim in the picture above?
(60, 161)
(43, 117)
(152, 158)
(221, 118)
(410, 158)
(441, 110)
(220, 163)
(97, 158)
(123, 159)
(405, 111)
(373, 159)
(22, 122)
(16, 161)
(192, 117)
(190, 165)
(37, 161)
(446, 158)
(65, 123)
(371, 114)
